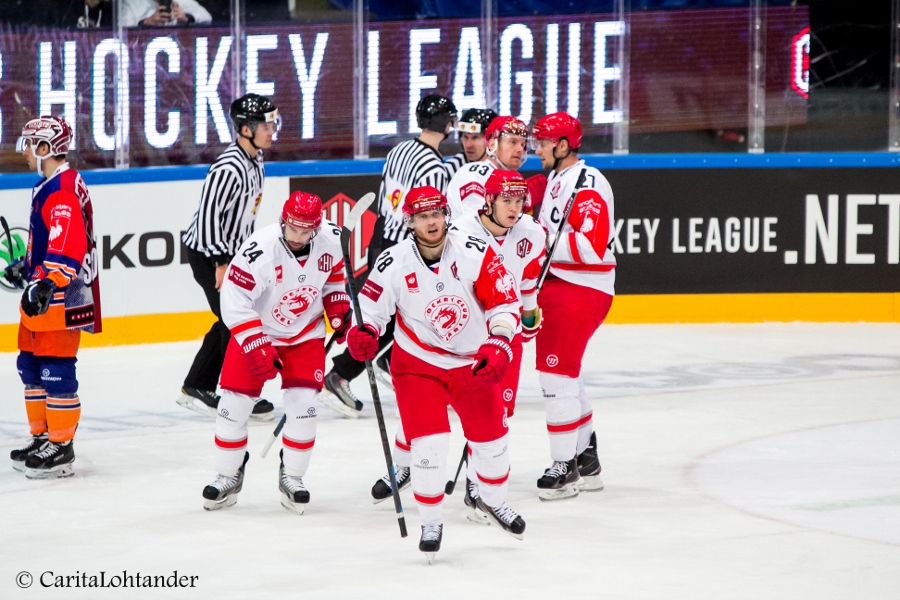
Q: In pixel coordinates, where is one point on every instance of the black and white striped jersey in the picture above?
(454, 164)
(408, 165)
(231, 194)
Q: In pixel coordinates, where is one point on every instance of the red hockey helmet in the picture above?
(559, 125)
(302, 210)
(54, 131)
(422, 199)
(505, 183)
(502, 126)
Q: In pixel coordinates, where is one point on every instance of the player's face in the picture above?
(511, 151)
(473, 146)
(429, 225)
(507, 210)
(28, 153)
(264, 134)
(297, 238)
(544, 150)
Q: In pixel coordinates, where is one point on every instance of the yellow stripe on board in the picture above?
(650, 309)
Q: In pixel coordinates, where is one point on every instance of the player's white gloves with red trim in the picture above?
(492, 359)
(262, 359)
(530, 332)
(362, 343)
(338, 312)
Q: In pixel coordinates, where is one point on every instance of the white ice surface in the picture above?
(740, 461)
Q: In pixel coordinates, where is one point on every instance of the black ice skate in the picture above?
(471, 499)
(382, 489)
(559, 481)
(203, 402)
(294, 495)
(589, 468)
(18, 456)
(503, 517)
(51, 460)
(339, 397)
(430, 542)
(383, 369)
(263, 410)
(223, 492)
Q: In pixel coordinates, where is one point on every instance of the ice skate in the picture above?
(338, 396)
(383, 370)
(589, 468)
(19, 456)
(382, 489)
(430, 542)
(223, 492)
(294, 495)
(559, 481)
(503, 517)
(51, 460)
(263, 410)
(203, 402)
(473, 513)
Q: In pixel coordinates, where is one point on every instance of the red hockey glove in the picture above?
(537, 184)
(362, 343)
(338, 312)
(530, 332)
(491, 360)
(262, 359)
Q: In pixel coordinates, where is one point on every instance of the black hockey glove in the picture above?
(37, 296)
(15, 274)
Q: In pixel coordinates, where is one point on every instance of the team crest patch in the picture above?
(326, 262)
(523, 248)
(453, 271)
(278, 274)
(506, 285)
(395, 198)
(293, 304)
(412, 283)
(554, 192)
(448, 316)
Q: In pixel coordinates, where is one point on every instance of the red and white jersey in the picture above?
(443, 317)
(268, 290)
(465, 192)
(522, 249)
(584, 256)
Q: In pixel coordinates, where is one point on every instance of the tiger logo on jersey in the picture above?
(448, 316)
(294, 303)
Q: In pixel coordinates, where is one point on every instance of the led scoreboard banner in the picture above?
(688, 71)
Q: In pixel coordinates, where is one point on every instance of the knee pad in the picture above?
(58, 376)
(556, 386)
(231, 421)
(300, 402)
(29, 369)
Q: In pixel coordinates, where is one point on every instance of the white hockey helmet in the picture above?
(54, 131)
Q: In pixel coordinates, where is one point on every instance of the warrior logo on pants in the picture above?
(448, 315)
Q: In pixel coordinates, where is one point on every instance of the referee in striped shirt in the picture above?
(410, 164)
(225, 218)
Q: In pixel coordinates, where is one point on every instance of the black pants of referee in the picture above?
(345, 365)
(207, 366)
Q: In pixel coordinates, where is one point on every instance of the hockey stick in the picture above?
(448, 489)
(9, 242)
(546, 268)
(350, 224)
(376, 399)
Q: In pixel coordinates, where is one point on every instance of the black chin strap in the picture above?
(490, 215)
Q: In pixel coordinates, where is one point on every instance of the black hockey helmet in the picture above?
(434, 113)
(476, 120)
(251, 109)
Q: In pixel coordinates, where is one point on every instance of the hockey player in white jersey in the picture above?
(521, 244)
(277, 287)
(470, 131)
(507, 141)
(581, 282)
(457, 311)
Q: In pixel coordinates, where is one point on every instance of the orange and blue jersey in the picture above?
(60, 239)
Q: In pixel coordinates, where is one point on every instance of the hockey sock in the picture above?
(429, 466)
(36, 408)
(299, 434)
(492, 469)
(563, 411)
(586, 422)
(231, 431)
(401, 448)
(63, 413)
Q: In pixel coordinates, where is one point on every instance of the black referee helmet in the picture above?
(476, 120)
(251, 109)
(434, 113)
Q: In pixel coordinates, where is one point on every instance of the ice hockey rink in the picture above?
(740, 461)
